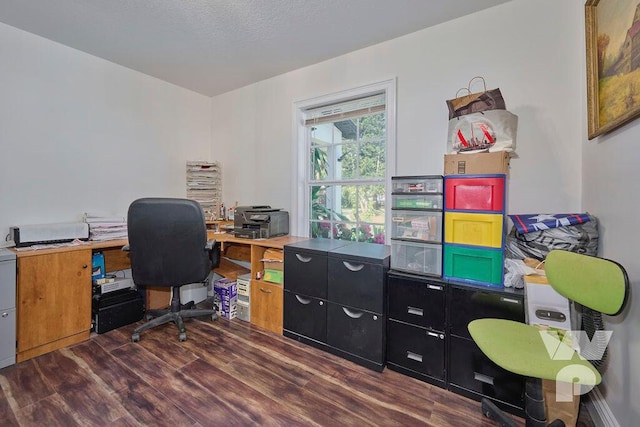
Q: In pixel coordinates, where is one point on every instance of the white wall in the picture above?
(611, 165)
(534, 51)
(539, 72)
(78, 133)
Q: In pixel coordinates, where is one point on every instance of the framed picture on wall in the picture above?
(613, 63)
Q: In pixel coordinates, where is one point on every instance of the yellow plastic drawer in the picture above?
(474, 229)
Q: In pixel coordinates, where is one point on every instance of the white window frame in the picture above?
(300, 197)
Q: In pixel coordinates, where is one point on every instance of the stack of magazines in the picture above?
(103, 227)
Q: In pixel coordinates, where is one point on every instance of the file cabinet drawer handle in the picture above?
(415, 310)
(266, 291)
(352, 314)
(510, 300)
(433, 334)
(414, 356)
(304, 301)
(5, 314)
(353, 267)
(303, 258)
(434, 287)
(483, 378)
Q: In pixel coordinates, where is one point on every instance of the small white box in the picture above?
(544, 305)
(244, 285)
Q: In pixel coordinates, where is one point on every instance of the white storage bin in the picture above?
(419, 258)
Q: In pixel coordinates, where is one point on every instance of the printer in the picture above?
(260, 222)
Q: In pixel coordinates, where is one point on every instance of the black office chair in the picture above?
(168, 247)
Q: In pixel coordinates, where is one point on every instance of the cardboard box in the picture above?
(227, 290)
(273, 259)
(477, 163)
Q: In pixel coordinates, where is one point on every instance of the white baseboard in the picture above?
(599, 410)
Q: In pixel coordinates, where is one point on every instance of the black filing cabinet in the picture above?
(334, 299)
(471, 373)
(305, 290)
(416, 338)
(356, 292)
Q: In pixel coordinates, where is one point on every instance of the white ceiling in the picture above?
(214, 46)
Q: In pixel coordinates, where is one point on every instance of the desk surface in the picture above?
(276, 242)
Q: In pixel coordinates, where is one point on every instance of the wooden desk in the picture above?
(53, 307)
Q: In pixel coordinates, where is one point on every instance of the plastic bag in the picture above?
(490, 130)
(516, 269)
(580, 238)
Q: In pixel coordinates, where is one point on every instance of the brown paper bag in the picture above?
(565, 411)
(475, 102)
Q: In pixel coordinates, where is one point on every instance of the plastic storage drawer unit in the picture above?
(417, 201)
(474, 229)
(473, 265)
(417, 184)
(418, 258)
(475, 192)
(416, 225)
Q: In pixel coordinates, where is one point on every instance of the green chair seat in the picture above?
(520, 348)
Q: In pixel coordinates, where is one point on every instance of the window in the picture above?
(346, 167)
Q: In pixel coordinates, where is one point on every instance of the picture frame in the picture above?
(613, 73)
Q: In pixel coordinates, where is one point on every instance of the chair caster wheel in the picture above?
(148, 317)
(214, 316)
(183, 336)
(135, 337)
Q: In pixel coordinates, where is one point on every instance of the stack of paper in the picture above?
(104, 227)
(204, 186)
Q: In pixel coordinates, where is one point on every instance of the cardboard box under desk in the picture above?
(477, 163)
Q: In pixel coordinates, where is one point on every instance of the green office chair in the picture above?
(595, 283)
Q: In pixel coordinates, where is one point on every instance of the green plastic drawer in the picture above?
(474, 265)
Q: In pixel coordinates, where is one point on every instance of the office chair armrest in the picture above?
(214, 252)
(126, 248)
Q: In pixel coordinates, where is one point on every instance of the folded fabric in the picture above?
(527, 223)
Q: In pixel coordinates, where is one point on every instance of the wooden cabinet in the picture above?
(53, 301)
(266, 305)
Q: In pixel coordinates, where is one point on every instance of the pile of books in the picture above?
(103, 227)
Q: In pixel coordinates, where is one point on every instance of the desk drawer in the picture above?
(469, 368)
(7, 337)
(7, 284)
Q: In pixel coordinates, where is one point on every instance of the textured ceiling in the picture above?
(214, 46)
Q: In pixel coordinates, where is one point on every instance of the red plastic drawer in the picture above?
(475, 193)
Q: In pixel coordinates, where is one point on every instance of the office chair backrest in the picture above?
(599, 284)
(167, 239)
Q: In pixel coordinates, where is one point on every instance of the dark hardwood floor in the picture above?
(227, 373)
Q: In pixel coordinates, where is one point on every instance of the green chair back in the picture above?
(597, 283)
